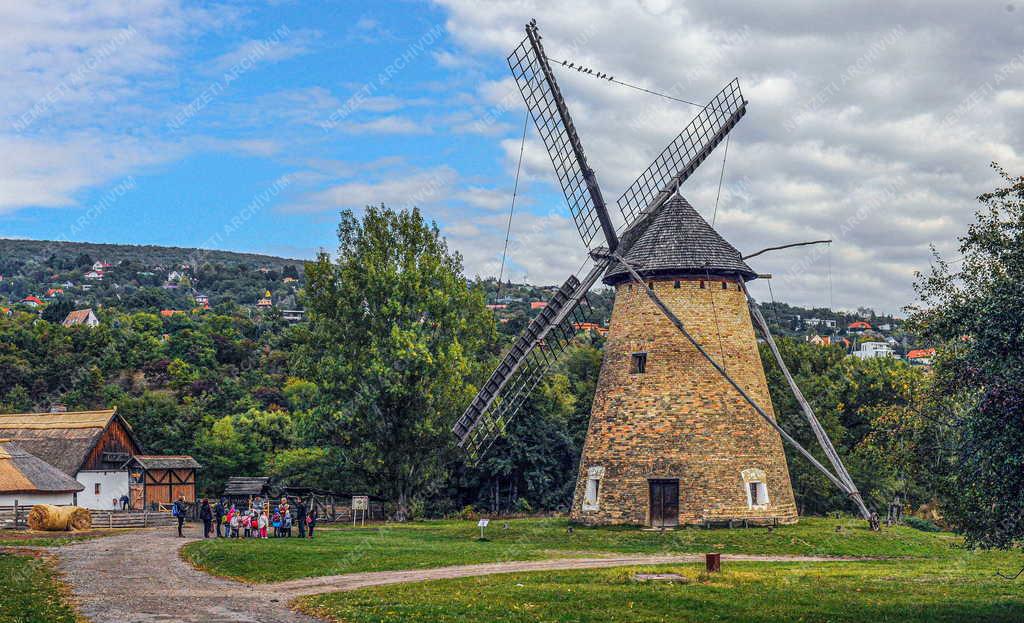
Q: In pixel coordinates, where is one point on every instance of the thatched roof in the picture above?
(21, 472)
(61, 439)
(148, 461)
(244, 485)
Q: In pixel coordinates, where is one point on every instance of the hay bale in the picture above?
(59, 518)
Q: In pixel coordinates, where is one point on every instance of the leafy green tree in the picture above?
(851, 397)
(58, 310)
(395, 339)
(973, 307)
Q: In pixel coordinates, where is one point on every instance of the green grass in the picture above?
(441, 543)
(29, 593)
(899, 591)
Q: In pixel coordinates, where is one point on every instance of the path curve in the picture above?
(140, 577)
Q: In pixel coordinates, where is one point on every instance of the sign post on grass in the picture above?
(360, 503)
(482, 524)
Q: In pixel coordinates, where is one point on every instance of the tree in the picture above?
(975, 311)
(395, 338)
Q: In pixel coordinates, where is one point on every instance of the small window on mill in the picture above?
(725, 286)
(701, 285)
(638, 364)
(676, 285)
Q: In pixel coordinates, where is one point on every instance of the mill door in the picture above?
(664, 496)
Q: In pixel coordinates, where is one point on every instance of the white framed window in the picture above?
(592, 493)
(756, 488)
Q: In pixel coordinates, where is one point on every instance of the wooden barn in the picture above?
(96, 448)
(155, 480)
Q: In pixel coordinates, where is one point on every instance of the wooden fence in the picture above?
(14, 518)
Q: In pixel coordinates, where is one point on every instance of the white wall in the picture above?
(31, 499)
(112, 486)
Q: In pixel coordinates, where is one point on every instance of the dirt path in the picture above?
(353, 581)
(139, 577)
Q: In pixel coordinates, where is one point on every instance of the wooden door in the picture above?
(664, 497)
(135, 494)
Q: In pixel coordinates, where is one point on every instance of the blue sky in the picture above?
(248, 126)
(254, 96)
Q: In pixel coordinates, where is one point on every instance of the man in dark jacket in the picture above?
(300, 516)
(218, 515)
(178, 510)
(206, 515)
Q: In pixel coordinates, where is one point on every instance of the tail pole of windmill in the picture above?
(682, 429)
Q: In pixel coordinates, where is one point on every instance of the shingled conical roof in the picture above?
(676, 242)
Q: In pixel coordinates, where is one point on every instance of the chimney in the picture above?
(58, 408)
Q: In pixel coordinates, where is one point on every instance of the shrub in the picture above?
(921, 524)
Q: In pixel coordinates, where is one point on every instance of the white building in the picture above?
(820, 322)
(871, 350)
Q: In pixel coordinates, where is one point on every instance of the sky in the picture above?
(249, 126)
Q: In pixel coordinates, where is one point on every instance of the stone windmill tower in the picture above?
(670, 441)
(682, 428)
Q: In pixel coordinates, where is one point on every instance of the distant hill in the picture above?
(143, 277)
(24, 251)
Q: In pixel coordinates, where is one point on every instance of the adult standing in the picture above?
(206, 514)
(218, 515)
(178, 510)
(300, 516)
(124, 502)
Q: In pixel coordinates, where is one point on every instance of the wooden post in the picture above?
(15, 514)
(713, 562)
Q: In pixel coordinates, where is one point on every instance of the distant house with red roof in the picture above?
(167, 313)
(496, 306)
(921, 356)
(590, 326)
(538, 304)
(53, 292)
(859, 325)
(94, 275)
(32, 301)
(81, 317)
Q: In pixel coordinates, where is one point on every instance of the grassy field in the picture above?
(903, 591)
(29, 593)
(441, 543)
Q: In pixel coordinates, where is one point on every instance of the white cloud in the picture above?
(416, 188)
(282, 44)
(844, 103)
(51, 173)
(391, 124)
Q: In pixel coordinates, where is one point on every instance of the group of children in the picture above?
(256, 521)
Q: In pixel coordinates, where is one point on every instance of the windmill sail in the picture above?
(523, 367)
(684, 154)
(551, 116)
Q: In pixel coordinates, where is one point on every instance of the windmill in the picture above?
(682, 428)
